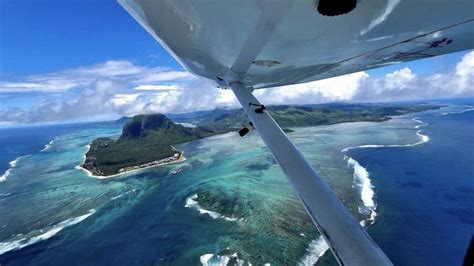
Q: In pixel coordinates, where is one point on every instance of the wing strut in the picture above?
(349, 242)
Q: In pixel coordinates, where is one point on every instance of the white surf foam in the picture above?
(123, 194)
(49, 145)
(316, 249)
(422, 139)
(221, 260)
(79, 167)
(184, 167)
(367, 193)
(12, 165)
(50, 232)
(361, 179)
(421, 123)
(362, 147)
(214, 260)
(458, 112)
(193, 204)
(5, 175)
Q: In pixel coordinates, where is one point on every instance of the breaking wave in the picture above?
(318, 247)
(223, 260)
(5, 175)
(193, 204)
(367, 193)
(45, 234)
(79, 167)
(315, 250)
(12, 165)
(124, 194)
(184, 167)
(49, 145)
(459, 112)
(220, 260)
(422, 139)
(361, 179)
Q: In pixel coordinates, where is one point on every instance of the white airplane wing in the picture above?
(250, 44)
(293, 43)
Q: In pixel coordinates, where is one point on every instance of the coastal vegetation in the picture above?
(147, 140)
(306, 115)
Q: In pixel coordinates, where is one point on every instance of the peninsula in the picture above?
(147, 140)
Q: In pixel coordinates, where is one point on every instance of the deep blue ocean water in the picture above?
(229, 202)
(426, 193)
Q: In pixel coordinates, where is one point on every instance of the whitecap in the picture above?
(421, 123)
(316, 249)
(15, 162)
(123, 194)
(367, 193)
(49, 145)
(176, 171)
(422, 139)
(12, 165)
(193, 204)
(220, 260)
(361, 179)
(362, 147)
(5, 175)
(181, 169)
(50, 232)
(458, 112)
(211, 259)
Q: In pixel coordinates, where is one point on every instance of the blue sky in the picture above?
(41, 36)
(86, 60)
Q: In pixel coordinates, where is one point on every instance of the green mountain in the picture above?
(145, 139)
(307, 115)
(123, 120)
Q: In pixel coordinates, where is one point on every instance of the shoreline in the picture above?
(181, 158)
(361, 178)
(45, 233)
(422, 139)
(318, 247)
(12, 165)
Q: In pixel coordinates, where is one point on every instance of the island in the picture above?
(149, 140)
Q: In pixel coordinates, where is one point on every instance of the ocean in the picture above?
(409, 180)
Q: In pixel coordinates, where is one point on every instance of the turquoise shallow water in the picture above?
(227, 202)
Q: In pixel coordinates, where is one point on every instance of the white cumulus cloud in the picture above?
(116, 88)
(157, 87)
(82, 77)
